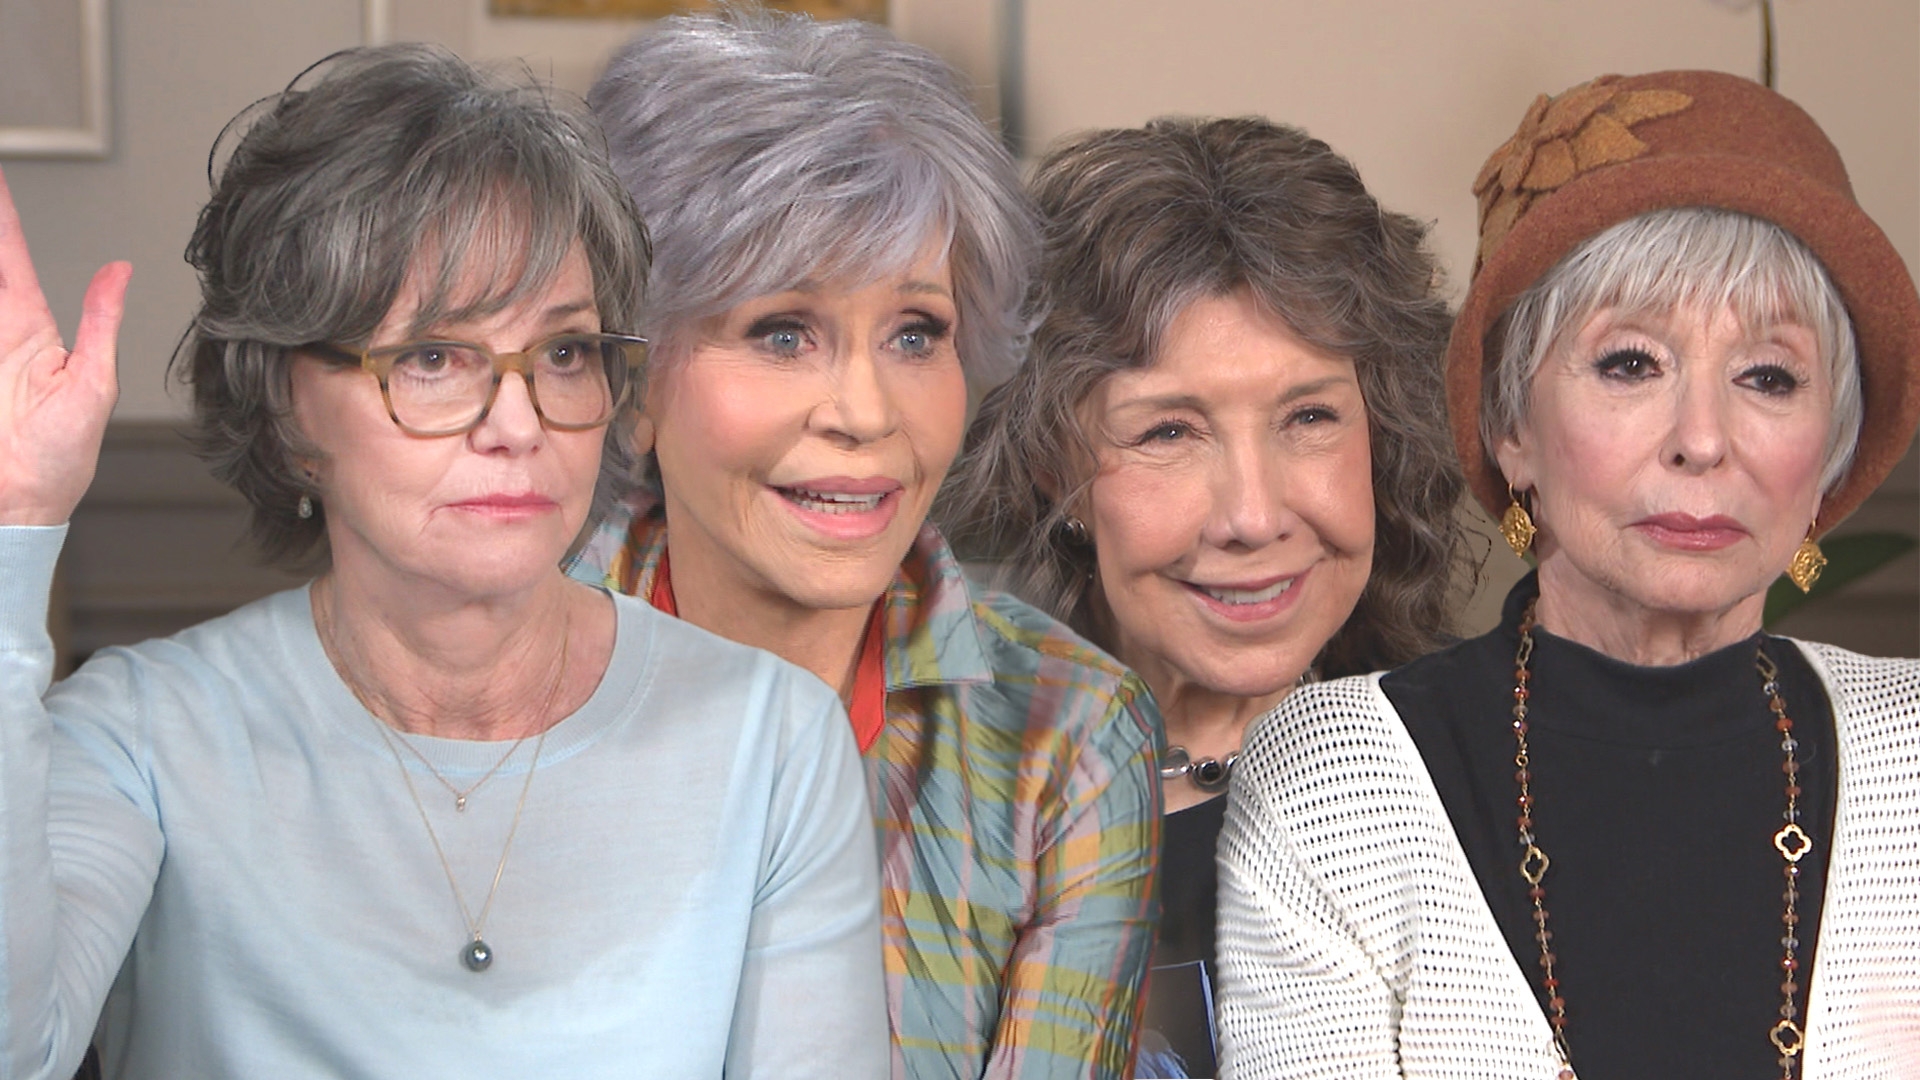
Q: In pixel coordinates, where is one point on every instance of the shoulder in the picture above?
(1330, 733)
(252, 645)
(691, 670)
(1868, 693)
(1048, 674)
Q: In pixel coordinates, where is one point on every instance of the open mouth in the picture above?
(1248, 596)
(833, 502)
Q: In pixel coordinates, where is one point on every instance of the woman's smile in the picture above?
(843, 508)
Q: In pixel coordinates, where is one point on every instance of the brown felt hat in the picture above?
(1615, 148)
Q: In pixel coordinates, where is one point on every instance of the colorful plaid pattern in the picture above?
(1016, 792)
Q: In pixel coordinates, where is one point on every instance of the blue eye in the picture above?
(1169, 431)
(781, 335)
(922, 338)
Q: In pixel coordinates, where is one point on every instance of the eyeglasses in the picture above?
(432, 388)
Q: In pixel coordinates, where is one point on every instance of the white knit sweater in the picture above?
(1354, 941)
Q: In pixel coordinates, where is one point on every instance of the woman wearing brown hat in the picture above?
(1626, 831)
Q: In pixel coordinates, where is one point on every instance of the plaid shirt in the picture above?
(1015, 787)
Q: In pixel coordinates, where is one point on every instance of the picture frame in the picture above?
(54, 89)
(871, 10)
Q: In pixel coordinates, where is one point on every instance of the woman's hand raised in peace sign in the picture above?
(54, 403)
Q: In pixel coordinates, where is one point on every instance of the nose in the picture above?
(1249, 496)
(511, 423)
(1698, 439)
(858, 406)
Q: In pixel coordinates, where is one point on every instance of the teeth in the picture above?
(834, 502)
(1248, 596)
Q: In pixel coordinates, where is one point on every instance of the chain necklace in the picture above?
(1791, 841)
(459, 794)
(477, 954)
(1208, 774)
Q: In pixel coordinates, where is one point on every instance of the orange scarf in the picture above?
(868, 710)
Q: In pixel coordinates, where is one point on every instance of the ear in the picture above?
(1515, 455)
(642, 433)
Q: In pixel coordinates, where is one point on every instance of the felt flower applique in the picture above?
(1560, 138)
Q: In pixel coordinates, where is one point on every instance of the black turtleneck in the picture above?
(1657, 793)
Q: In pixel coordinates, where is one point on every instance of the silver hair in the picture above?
(1668, 259)
(768, 150)
(373, 165)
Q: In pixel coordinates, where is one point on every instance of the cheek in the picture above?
(933, 410)
(1145, 517)
(714, 417)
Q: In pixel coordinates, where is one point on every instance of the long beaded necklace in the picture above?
(1791, 841)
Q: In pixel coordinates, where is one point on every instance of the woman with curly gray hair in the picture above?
(1226, 460)
(840, 245)
(386, 824)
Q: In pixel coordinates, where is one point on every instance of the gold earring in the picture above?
(1517, 525)
(1808, 561)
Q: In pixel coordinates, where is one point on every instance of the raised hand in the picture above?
(54, 403)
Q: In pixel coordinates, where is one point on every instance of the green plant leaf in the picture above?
(1849, 558)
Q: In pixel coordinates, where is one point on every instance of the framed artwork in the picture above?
(53, 78)
(872, 10)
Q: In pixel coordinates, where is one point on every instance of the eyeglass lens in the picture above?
(440, 386)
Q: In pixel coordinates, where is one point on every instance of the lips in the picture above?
(843, 508)
(832, 502)
(1230, 595)
(1686, 532)
(1248, 601)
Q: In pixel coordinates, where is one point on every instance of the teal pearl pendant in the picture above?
(478, 956)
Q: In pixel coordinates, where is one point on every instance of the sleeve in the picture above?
(1071, 999)
(812, 995)
(78, 854)
(1300, 995)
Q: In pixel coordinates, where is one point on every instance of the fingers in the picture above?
(16, 266)
(94, 341)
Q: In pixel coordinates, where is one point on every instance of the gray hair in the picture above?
(1142, 222)
(1668, 259)
(766, 151)
(373, 165)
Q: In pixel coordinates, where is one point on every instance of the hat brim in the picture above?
(1872, 279)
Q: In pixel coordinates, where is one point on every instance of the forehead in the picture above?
(1232, 347)
(487, 286)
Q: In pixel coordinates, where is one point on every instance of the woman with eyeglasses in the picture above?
(427, 815)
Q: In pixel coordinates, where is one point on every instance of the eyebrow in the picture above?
(1188, 401)
(813, 287)
(553, 314)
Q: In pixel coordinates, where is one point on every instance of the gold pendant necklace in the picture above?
(477, 954)
(1791, 841)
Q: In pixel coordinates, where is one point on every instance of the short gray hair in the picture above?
(1667, 259)
(1140, 224)
(373, 165)
(769, 150)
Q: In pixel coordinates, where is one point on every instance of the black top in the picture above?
(1657, 791)
(1180, 988)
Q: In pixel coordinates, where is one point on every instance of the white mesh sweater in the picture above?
(1354, 941)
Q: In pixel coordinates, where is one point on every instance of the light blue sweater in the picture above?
(693, 889)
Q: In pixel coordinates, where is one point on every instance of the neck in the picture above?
(1205, 722)
(824, 641)
(498, 669)
(1617, 626)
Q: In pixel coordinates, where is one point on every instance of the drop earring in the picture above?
(1516, 525)
(1808, 561)
(1075, 532)
(304, 508)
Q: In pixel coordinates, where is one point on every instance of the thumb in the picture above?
(94, 341)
